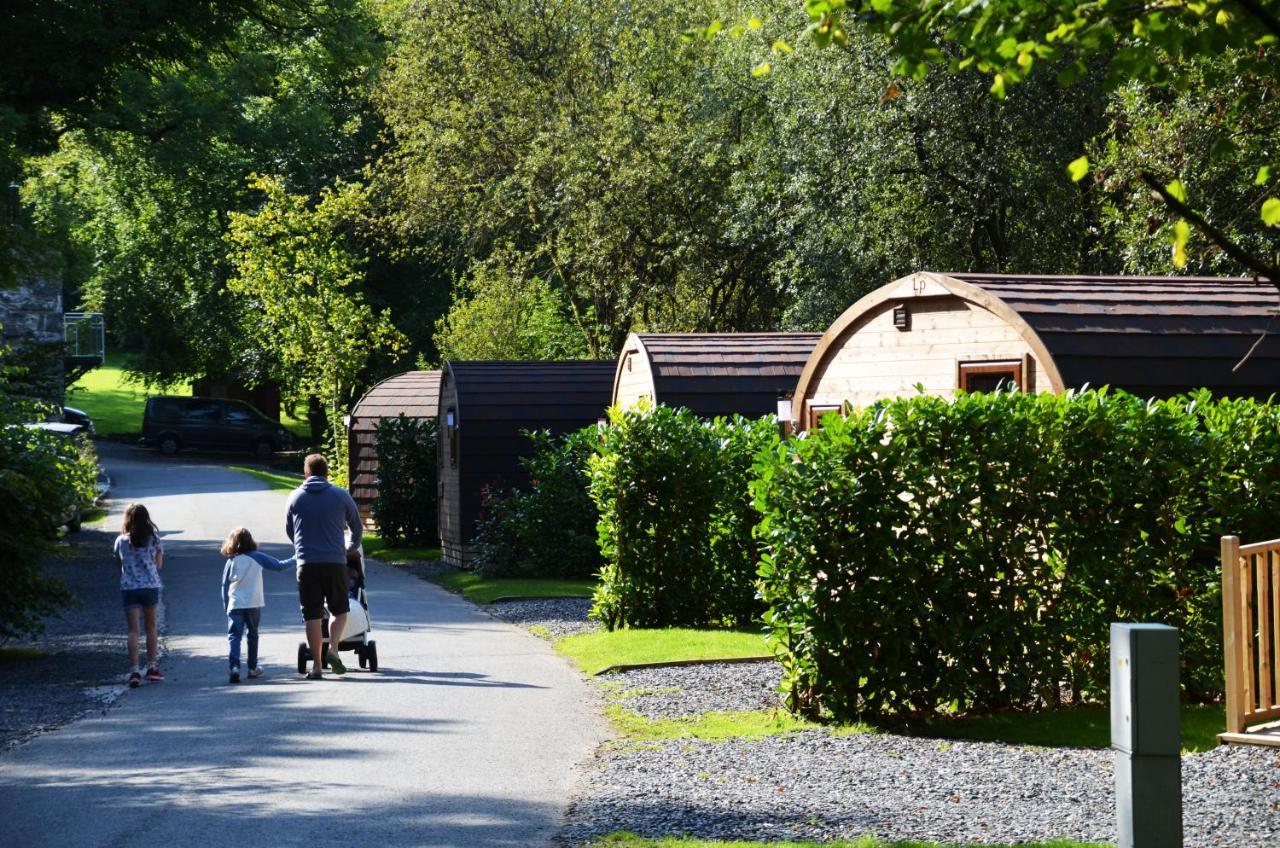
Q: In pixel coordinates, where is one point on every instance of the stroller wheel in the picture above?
(371, 652)
(304, 655)
(362, 656)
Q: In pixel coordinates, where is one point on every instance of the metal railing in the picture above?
(85, 335)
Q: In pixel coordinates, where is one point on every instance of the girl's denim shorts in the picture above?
(134, 598)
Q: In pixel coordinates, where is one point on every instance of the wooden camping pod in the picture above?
(414, 394)
(712, 373)
(1152, 336)
(485, 410)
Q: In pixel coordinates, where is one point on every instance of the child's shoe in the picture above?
(235, 676)
(154, 675)
(135, 680)
(255, 672)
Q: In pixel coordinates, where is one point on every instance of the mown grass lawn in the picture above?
(616, 840)
(376, 547)
(115, 403)
(1073, 727)
(596, 652)
(278, 480)
(484, 590)
(713, 726)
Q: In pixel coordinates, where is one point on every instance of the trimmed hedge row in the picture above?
(969, 553)
(549, 528)
(676, 519)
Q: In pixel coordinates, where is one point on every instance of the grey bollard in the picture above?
(1146, 735)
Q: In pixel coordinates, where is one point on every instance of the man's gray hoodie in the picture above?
(318, 514)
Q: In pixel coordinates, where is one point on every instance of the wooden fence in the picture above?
(1251, 634)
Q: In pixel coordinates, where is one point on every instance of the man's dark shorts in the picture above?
(320, 583)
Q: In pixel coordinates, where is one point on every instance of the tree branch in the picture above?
(1260, 267)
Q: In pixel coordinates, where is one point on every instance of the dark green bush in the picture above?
(549, 528)
(43, 477)
(676, 519)
(929, 553)
(407, 504)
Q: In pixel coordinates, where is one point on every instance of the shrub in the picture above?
(42, 476)
(406, 507)
(927, 553)
(549, 528)
(676, 519)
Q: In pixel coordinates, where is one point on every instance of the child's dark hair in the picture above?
(239, 541)
(138, 525)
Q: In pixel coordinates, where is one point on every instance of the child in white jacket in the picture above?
(242, 595)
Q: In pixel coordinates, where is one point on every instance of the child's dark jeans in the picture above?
(238, 621)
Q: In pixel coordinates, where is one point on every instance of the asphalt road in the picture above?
(469, 734)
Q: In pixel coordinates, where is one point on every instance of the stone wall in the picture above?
(31, 315)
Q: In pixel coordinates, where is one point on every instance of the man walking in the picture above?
(318, 514)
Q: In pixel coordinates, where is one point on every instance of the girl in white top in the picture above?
(242, 595)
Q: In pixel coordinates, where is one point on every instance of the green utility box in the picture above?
(1146, 734)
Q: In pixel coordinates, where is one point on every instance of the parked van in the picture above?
(175, 423)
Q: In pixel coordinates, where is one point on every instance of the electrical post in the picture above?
(1146, 735)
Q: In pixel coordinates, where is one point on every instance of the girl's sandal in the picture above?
(135, 680)
(315, 675)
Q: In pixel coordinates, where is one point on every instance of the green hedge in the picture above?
(969, 553)
(676, 519)
(42, 477)
(549, 528)
(407, 504)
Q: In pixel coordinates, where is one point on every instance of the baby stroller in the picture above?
(355, 635)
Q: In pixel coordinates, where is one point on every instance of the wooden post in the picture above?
(1232, 655)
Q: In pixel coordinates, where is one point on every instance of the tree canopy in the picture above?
(543, 187)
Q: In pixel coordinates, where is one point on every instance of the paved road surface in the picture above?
(468, 736)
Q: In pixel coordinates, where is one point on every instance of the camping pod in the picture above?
(414, 394)
(486, 408)
(1151, 336)
(712, 373)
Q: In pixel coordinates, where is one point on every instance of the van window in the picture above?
(240, 414)
(202, 411)
(163, 407)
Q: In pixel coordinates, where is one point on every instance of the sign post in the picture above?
(1146, 735)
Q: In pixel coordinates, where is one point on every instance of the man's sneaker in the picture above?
(135, 680)
(154, 675)
(255, 672)
(335, 663)
(235, 676)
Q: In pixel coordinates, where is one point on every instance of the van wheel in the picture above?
(168, 445)
(263, 449)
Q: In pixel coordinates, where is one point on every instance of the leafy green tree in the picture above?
(139, 206)
(502, 311)
(1225, 49)
(858, 180)
(579, 138)
(300, 277)
(139, 67)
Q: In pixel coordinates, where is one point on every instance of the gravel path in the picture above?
(83, 662)
(814, 785)
(550, 618)
(689, 690)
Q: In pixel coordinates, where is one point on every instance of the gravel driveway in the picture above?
(84, 658)
(821, 786)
